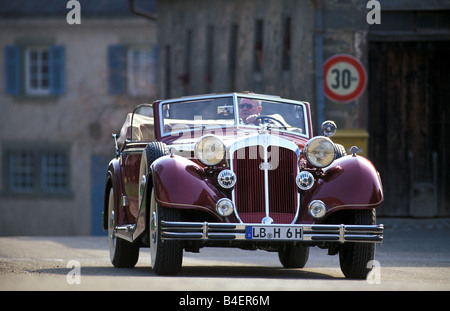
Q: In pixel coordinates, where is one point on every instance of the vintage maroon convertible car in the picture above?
(237, 170)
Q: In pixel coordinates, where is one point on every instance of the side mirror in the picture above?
(115, 145)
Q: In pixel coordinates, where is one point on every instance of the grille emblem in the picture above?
(265, 166)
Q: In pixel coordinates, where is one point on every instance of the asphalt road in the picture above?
(414, 256)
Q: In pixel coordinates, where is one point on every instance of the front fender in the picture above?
(181, 183)
(352, 182)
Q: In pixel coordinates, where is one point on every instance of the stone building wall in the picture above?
(266, 46)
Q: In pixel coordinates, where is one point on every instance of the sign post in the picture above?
(344, 78)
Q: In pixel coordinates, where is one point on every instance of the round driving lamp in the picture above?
(320, 151)
(209, 150)
(328, 128)
(225, 207)
(304, 180)
(317, 209)
(226, 179)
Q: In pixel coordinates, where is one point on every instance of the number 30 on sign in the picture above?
(344, 78)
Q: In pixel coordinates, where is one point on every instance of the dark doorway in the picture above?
(409, 125)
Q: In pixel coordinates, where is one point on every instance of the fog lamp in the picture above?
(226, 179)
(304, 180)
(317, 209)
(225, 207)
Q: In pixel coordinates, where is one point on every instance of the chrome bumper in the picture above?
(245, 232)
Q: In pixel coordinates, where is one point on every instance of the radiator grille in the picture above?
(249, 191)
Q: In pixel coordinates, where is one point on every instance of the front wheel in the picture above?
(166, 256)
(354, 258)
(294, 256)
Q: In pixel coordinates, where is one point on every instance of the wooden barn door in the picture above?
(409, 125)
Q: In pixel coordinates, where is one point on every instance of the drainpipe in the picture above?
(141, 12)
(318, 56)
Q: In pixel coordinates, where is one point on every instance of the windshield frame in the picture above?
(235, 101)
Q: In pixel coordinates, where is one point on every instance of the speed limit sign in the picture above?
(344, 78)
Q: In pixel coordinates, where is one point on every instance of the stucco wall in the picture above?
(81, 120)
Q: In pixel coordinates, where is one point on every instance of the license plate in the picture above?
(273, 233)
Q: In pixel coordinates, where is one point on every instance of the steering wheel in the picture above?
(268, 118)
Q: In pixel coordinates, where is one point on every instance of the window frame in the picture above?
(120, 77)
(146, 64)
(39, 90)
(39, 186)
(18, 70)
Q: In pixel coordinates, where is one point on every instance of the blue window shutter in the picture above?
(12, 70)
(116, 63)
(57, 69)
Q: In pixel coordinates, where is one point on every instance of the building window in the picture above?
(21, 171)
(38, 172)
(37, 75)
(34, 71)
(54, 171)
(132, 70)
(141, 72)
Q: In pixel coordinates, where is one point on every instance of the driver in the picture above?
(249, 110)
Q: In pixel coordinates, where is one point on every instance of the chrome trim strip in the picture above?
(236, 115)
(298, 207)
(266, 180)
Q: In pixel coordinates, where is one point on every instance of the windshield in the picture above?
(277, 115)
(189, 115)
(241, 112)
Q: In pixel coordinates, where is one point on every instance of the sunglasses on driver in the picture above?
(248, 106)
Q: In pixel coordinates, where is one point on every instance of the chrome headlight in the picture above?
(210, 150)
(319, 151)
